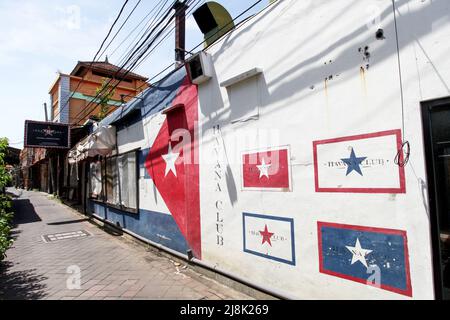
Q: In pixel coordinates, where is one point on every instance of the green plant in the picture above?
(106, 93)
(5, 177)
(5, 229)
(6, 214)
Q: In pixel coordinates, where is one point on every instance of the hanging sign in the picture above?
(40, 134)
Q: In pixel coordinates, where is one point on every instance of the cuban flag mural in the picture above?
(269, 237)
(372, 256)
(170, 191)
(266, 170)
(360, 164)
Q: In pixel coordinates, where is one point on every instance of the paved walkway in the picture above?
(111, 267)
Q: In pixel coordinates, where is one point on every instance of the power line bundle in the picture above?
(148, 39)
(157, 31)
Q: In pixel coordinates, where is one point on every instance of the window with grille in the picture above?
(114, 181)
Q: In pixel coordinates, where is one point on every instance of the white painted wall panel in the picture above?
(317, 84)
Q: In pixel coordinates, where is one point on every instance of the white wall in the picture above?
(298, 44)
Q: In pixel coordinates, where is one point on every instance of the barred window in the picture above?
(96, 181)
(114, 180)
(127, 179)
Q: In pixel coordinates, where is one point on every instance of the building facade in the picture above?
(73, 96)
(301, 162)
(74, 100)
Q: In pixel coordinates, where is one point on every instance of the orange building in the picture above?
(72, 95)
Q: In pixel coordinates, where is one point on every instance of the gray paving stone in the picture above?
(111, 267)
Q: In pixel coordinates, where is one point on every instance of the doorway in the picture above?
(436, 130)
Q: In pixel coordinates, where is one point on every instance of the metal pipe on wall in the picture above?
(262, 288)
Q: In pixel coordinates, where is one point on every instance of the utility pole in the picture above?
(180, 32)
(45, 110)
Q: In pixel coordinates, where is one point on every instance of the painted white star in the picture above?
(170, 159)
(359, 254)
(48, 131)
(264, 169)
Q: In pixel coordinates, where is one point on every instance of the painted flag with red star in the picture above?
(266, 170)
(172, 164)
(269, 237)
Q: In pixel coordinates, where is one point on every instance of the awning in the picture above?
(101, 142)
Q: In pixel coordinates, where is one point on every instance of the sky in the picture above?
(40, 38)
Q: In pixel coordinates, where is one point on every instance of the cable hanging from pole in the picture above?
(136, 55)
(190, 51)
(136, 61)
(118, 31)
(66, 103)
(134, 29)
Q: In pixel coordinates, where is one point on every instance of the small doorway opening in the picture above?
(436, 125)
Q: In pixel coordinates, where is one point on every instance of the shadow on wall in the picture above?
(131, 131)
(160, 95)
(20, 285)
(244, 102)
(212, 107)
(315, 72)
(426, 16)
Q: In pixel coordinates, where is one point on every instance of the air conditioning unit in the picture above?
(200, 67)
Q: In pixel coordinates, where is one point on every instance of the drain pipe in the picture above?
(270, 291)
(180, 31)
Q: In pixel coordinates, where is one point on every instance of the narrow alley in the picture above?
(51, 242)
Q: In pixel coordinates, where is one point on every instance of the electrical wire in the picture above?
(401, 159)
(140, 51)
(110, 29)
(189, 13)
(399, 69)
(139, 57)
(232, 21)
(134, 29)
(151, 22)
(202, 42)
(139, 54)
(118, 31)
(104, 40)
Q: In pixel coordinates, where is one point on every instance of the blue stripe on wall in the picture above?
(160, 95)
(387, 252)
(157, 227)
(143, 154)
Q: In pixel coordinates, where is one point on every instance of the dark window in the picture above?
(195, 67)
(96, 190)
(114, 181)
